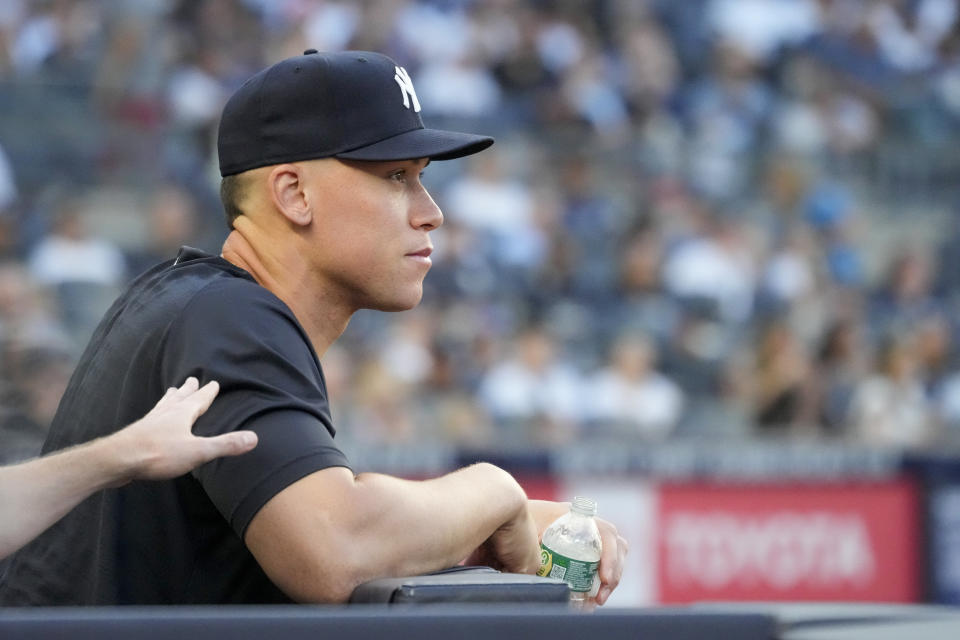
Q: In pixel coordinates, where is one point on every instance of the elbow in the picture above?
(326, 578)
(327, 588)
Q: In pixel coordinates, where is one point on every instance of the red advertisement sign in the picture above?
(541, 487)
(852, 542)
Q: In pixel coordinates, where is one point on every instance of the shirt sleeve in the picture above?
(245, 338)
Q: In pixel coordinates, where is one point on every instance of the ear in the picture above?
(286, 185)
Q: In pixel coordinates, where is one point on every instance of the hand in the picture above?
(615, 547)
(162, 443)
(513, 548)
(612, 559)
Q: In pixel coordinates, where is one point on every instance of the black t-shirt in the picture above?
(181, 540)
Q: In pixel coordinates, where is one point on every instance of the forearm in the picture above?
(37, 493)
(435, 523)
(371, 526)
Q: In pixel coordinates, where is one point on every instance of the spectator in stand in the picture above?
(385, 411)
(83, 271)
(36, 377)
(840, 365)
(594, 224)
(628, 396)
(830, 211)
(650, 70)
(171, 223)
(908, 33)
(498, 210)
(789, 276)
(782, 379)
(946, 390)
(906, 296)
(716, 265)
(760, 28)
(459, 87)
(8, 186)
(726, 112)
(935, 351)
(533, 394)
(35, 362)
(700, 359)
(890, 407)
(71, 253)
(28, 315)
(592, 96)
(644, 306)
(194, 97)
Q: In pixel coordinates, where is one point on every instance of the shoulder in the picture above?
(226, 287)
(231, 300)
(218, 323)
(228, 314)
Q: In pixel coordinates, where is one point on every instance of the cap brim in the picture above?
(435, 144)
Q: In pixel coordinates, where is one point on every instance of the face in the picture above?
(369, 242)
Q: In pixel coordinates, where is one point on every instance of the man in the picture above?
(36, 493)
(321, 156)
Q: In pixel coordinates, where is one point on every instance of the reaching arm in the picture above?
(37, 493)
(322, 536)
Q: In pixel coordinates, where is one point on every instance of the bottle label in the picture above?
(577, 573)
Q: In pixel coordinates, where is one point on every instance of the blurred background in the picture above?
(709, 274)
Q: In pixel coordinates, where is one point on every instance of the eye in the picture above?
(403, 175)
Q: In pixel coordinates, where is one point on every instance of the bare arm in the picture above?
(322, 536)
(37, 493)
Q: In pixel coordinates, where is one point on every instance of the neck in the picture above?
(282, 271)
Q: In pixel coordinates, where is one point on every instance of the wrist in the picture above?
(114, 460)
(510, 493)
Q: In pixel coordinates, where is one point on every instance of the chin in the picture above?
(399, 303)
(389, 308)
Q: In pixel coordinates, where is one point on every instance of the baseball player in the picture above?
(321, 157)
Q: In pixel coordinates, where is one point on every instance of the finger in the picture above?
(612, 559)
(623, 548)
(477, 557)
(189, 385)
(602, 596)
(200, 401)
(608, 587)
(229, 444)
(168, 398)
(610, 565)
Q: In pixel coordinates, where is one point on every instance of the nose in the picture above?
(424, 212)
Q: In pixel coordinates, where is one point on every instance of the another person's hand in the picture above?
(615, 547)
(37, 493)
(162, 444)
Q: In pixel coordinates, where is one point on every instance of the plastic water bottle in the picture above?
(570, 550)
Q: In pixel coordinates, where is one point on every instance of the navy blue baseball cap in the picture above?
(356, 105)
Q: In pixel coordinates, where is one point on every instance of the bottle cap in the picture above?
(584, 506)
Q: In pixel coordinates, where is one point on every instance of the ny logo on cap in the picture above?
(406, 89)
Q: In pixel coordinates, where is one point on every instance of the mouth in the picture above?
(422, 253)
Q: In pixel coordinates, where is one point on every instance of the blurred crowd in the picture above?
(707, 218)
